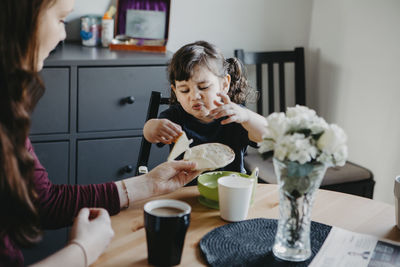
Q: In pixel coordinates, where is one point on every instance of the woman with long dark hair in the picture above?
(29, 202)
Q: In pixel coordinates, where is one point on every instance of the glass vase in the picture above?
(297, 186)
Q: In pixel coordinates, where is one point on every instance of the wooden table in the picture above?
(128, 248)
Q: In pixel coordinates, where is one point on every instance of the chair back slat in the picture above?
(154, 105)
(259, 84)
(156, 100)
(300, 76)
(271, 89)
(282, 97)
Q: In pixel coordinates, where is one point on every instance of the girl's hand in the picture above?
(171, 175)
(162, 131)
(233, 111)
(92, 229)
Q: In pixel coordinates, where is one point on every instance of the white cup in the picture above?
(234, 195)
(397, 199)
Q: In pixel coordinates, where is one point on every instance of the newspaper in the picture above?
(347, 248)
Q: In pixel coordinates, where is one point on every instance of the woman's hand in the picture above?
(171, 175)
(92, 229)
(161, 131)
(163, 179)
(227, 108)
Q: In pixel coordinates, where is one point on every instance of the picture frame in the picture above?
(141, 25)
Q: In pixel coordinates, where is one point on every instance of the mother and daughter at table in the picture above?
(209, 92)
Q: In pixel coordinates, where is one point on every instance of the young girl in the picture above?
(208, 92)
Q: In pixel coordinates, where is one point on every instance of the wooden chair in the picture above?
(156, 100)
(351, 178)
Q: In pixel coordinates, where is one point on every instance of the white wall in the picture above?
(251, 24)
(354, 77)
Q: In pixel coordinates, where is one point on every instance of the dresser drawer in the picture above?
(158, 155)
(104, 94)
(51, 113)
(54, 156)
(52, 241)
(105, 160)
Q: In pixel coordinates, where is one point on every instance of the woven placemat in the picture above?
(249, 243)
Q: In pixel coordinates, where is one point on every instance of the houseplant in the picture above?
(303, 146)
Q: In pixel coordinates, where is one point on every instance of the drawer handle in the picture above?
(128, 100)
(128, 169)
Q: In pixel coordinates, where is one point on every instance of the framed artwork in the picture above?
(143, 19)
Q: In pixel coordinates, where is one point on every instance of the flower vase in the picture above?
(297, 186)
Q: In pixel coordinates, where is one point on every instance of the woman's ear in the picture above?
(226, 81)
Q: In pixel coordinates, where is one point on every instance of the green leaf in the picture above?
(317, 135)
(305, 131)
(267, 155)
(268, 139)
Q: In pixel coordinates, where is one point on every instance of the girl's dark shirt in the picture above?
(58, 205)
(232, 134)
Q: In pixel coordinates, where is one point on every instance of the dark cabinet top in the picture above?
(74, 54)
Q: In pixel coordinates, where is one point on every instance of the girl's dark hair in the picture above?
(202, 53)
(20, 89)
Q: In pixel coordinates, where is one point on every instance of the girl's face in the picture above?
(52, 28)
(197, 95)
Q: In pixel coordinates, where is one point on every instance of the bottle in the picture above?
(107, 27)
(90, 30)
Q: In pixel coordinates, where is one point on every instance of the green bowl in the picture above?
(208, 186)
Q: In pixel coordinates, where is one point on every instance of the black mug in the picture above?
(166, 222)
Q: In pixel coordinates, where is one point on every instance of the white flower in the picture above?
(301, 117)
(332, 139)
(340, 156)
(318, 125)
(325, 158)
(295, 147)
(277, 126)
(300, 135)
(300, 111)
(336, 159)
(266, 145)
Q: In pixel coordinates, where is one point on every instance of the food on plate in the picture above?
(210, 156)
(181, 145)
